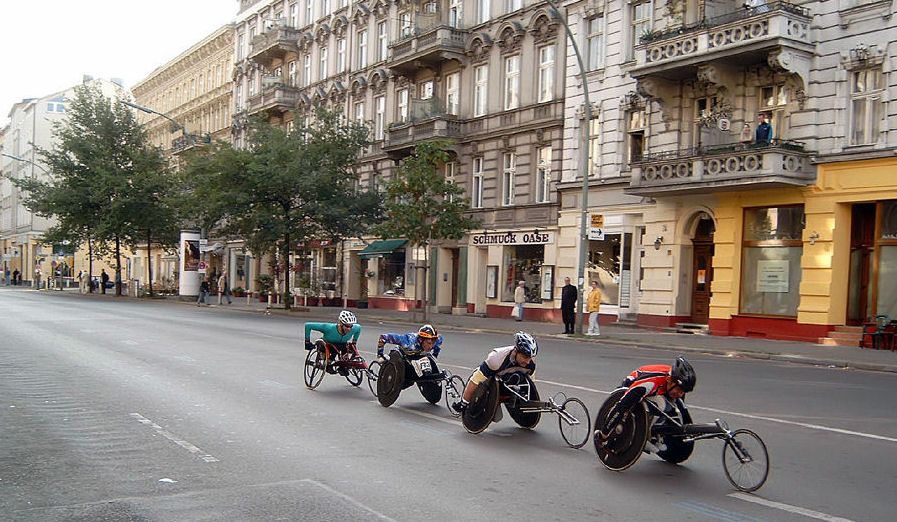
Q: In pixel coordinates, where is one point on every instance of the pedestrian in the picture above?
(6, 275)
(17, 277)
(104, 278)
(763, 132)
(81, 282)
(223, 290)
(36, 282)
(568, 302)
(203, 292)
(519, 299)
(594, 305)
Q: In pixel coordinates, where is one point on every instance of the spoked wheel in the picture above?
(575, 433)
(314, 369)
(626, 442)
(528, 420)
(373, 373)
(454, 387)
(745, 460)
(481, 410)
(354, 374)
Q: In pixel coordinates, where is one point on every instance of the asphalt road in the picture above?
(140, 410)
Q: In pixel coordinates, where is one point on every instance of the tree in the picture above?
(285, 188)
(422, 206)
(107, 185)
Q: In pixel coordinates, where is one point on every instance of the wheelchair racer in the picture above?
(648, 381)
(426, 339)
(515, 358)
(340, 334)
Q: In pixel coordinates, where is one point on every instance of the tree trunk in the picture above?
(117, 266)
(426, 282)
(286, 277)
(149, 260)
(90, 264)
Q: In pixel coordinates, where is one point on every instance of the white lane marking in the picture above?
(452, 421)
(347, 498)
(789, 508)
(173, 438)
(726, 412)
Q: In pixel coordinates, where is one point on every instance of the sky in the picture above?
(47, 46)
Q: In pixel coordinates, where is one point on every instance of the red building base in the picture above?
(769, 328)
(393, 303)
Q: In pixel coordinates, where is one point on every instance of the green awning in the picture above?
(382, 248)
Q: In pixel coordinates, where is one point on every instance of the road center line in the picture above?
(789, 508)
(347, 498)
(170, 436)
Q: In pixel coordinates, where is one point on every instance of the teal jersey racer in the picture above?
(330, 334)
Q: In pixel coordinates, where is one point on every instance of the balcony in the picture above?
(273, 44)
(745, 37)
(722, 168)
(428, 120)
(278, 98)
(427, 46)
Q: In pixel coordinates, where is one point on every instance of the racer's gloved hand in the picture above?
(309, 345)
(601, 438)
(460, 406)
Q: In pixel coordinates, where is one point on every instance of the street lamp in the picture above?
(167, 117)
(583, 169)
(38, 165)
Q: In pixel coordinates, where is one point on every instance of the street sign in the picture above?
(596, 227)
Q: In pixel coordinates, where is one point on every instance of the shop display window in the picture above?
(523, 263)
(604, 267)
(391, 274)
(771, 252)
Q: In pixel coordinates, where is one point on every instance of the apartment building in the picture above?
(784, 233)
(487, 75)
(31, 128)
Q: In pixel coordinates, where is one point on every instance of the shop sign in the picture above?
(596, 227)
(513, 238)
(772, 275)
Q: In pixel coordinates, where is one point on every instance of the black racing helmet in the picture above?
(683, 374)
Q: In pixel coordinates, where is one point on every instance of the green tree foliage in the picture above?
(421, 205)
(107, 186)
(285, 188)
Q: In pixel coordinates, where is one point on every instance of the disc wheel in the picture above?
(677, 449)
(390, 380)
(481, 410)
(454, 387)
(575, 434)
(746, 461)
(528, 420)
(432, 391)
(373, 372)
(355, 374)
(314, 369)
(625, 444)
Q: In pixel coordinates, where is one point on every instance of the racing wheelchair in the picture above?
(405, 368)
(325, 358)
(658, 425)
(517, 391)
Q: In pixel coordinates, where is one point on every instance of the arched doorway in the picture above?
(702, 272)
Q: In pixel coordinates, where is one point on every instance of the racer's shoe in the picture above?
(459, 406)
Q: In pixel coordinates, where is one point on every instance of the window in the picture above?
(292, 73)
(514, 5)
(512, 82)
(543, 175)
(382, 41)
(596, 29)
(456, 13)
(594, 146)
(238, 97)
(252, 80)
(771, 252)
(402, 105)
(306, 78)
(636, 122)
(483, 11)
(867, 107)
(278, 73)
(546, 73)
(523, 263)
(325, 7)
(322, 70)
(359, 111)
(341, 55)
(480, 92)
(641, 21)
(201, 83)
(425, 90)
(450, 169)
(362, 59)
(379, 116)
(774, 101)
(241, 42)
(405, 24)
(294, 15)
(453, 93)
(509, 169)
(309, 12)
(605, 256)
(476, 184)
(55, 107)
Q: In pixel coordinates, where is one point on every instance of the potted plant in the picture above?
(265, 285)
(238, 291)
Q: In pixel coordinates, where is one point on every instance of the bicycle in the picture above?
(406, 367)
(318, 362)
(518, 393)
(666, 428)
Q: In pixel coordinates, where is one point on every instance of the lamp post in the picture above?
(38, 165)
(167, 117)
(583, 170)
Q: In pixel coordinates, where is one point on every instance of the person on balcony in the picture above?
(763, 132)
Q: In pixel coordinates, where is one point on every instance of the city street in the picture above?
(125, 409)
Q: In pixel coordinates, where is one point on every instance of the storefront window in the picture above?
(391, 274)
(328, 269)
(604, 267)
(523, 263)
(771, 253)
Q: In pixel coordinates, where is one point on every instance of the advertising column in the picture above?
(188, 282)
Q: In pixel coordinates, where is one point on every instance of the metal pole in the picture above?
(583, 170)
(167, 117)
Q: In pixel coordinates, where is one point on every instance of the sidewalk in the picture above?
(787, 351)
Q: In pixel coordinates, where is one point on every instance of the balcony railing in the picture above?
(775, 22)
(274, 43)
(428, 45)
(427, 120)
(279, 97)
(728, 166)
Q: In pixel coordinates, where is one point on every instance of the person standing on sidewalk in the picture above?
(568, 303)
(203, 292)
(594, 305)
(104, 278)
(519, 299)
(223, 290)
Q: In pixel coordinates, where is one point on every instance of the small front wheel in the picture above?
(314, 369)
(745, 460)
(355, 372)
(574, 422)
(373, 372)
(454, 387)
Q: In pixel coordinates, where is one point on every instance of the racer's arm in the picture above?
(437, 346)
(623, 406)
(388, 338)
(312, 327)
(356, 332)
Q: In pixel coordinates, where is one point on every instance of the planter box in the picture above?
(263, 298)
